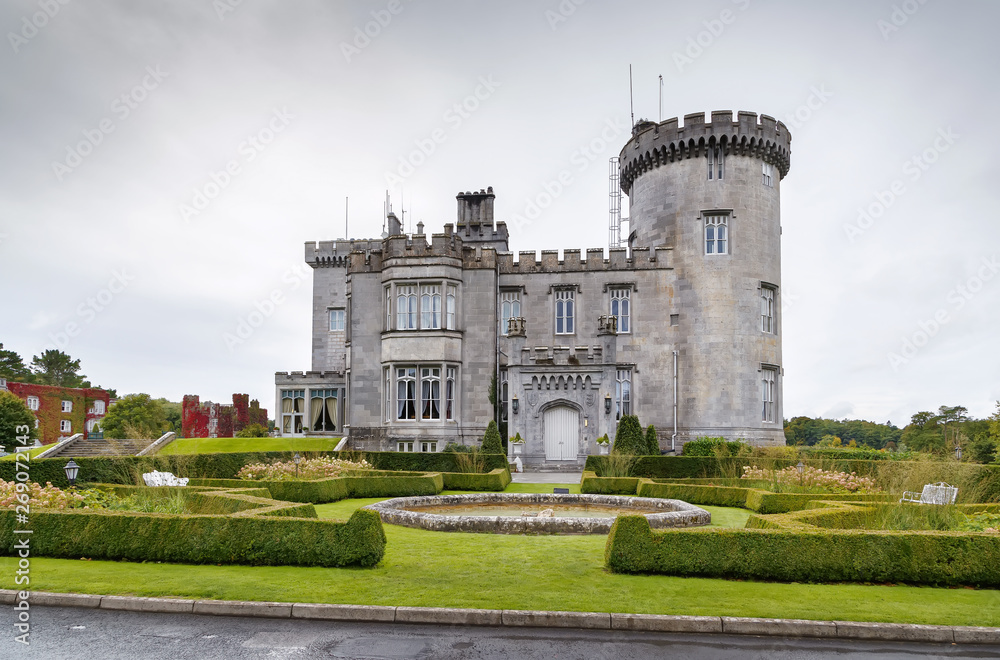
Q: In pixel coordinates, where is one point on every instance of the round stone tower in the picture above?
(711, 192)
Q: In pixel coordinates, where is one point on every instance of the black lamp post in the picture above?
(514, 404)
(607, 404)
(296, 459)
(71, 471)
(801, 468)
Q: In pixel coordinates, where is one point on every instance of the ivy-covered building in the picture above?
(61, 411)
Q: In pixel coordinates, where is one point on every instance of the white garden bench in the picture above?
(939, 493)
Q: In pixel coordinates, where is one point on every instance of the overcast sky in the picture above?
(120, 223)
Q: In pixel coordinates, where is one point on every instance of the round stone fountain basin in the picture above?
(518, 513)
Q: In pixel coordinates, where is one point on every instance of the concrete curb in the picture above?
(889, 632)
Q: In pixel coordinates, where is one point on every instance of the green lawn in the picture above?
(230, 445)
(34, 451)
(443, 569)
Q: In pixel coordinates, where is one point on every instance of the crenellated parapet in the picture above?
(653, 145)
(593, 260)
(336, 254)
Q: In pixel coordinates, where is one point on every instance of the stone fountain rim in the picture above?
(677, 513)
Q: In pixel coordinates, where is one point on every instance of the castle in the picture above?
(681, 328)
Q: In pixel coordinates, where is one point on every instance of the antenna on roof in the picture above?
(631, 108)
(661, 98)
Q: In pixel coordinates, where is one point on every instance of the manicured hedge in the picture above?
(422, 462)
(495, 480)
(987, 477)
(251, 530)
(321, 491)
(591, 483)
(943, 558)
(129, 469)
(695, 494)
(762, 501)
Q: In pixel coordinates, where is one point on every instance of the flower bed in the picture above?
(811, 480)
(323, 467)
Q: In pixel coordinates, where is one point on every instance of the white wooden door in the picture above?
(562, 425)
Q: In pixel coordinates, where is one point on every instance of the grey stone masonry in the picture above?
(689, 311)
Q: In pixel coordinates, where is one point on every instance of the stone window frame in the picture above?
(515, 297)
(716, 156)
(448, 373)
(623, 394)
(292, 394)
(446, 312)
(67, 406)
(65, 426)
(627, 289)
(767, 174)
(337, 317)
(769, 392)
(712, 219)
(572, 290)
(32, 402)
(768, 308)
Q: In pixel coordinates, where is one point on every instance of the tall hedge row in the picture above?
(253, 540)
(941, 558)
(987, 477)
(129, 469)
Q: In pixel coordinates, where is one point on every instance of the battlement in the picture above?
(330, 254)
(653, 145)
(618, 259)
(447, 247)
(301, 378)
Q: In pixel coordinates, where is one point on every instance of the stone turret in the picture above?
(710, 191)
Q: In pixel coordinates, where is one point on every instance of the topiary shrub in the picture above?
(652, 442)
(628, 437)
(492, 443)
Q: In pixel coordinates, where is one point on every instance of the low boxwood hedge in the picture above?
(592, 484)
(939, 558)
(695, 493)
(494, 480)
(321, 491)
(259, 532)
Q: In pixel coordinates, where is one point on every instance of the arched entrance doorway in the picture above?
(562, 430)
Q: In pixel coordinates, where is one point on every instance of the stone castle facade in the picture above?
(682, 328)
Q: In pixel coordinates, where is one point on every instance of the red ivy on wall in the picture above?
(197, 417)
(50, 414)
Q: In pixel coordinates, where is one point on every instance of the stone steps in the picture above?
(90, 447)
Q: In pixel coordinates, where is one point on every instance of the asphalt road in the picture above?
(85, 634)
